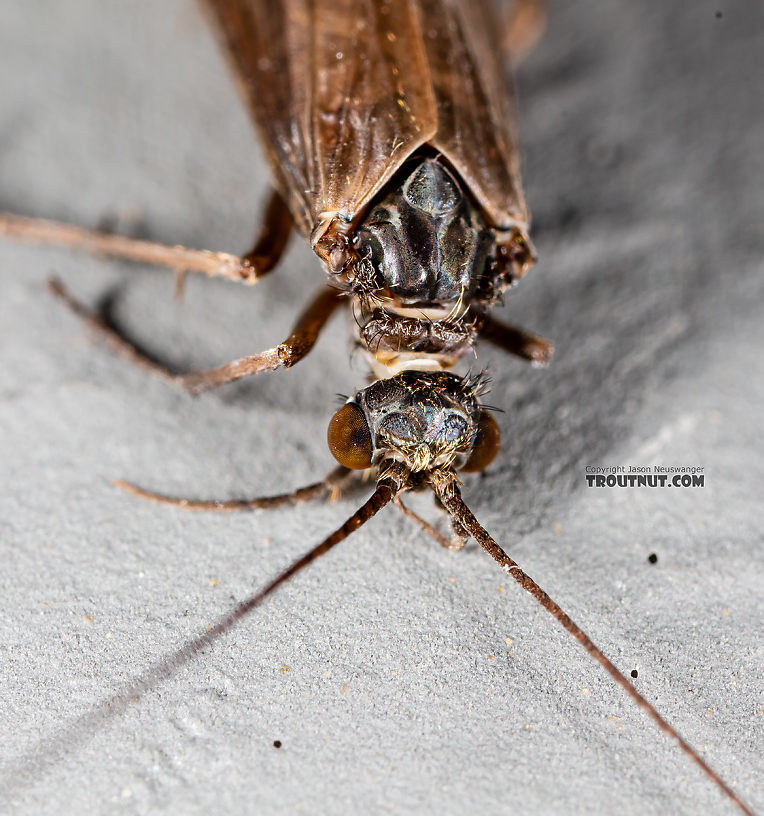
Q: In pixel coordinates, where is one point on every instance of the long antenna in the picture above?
(385, 492)
(24, 769)
(448, 492)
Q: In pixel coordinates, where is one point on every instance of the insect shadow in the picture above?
(578, 414)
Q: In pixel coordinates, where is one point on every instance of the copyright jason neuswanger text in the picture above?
(645, 476)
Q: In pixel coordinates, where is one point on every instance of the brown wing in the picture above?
(474, 97)
(340, 91)
(343, 91)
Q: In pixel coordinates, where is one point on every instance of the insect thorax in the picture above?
(426, 241)
(423, 268)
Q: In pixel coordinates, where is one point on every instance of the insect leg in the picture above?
(328, 489)
(274, 236)
(270, 245)
(113, 340)
(285, 355)
(531, 347)
(453, 544)
(248, 269)
(302, 339)
(524, 25)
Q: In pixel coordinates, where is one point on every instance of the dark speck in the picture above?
(277, 743)
(719, 15)
(652, 558)
(568, 215)
(634, 673)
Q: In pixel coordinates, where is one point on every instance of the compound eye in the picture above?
(486, 444)
(349, 438)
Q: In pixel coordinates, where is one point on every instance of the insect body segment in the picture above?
(427, 242)
(423, 268)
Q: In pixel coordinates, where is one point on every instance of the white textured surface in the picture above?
(642, 128)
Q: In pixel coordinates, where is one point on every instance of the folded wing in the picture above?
(343, 91)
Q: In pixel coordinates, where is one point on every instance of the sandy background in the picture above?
(384, 670)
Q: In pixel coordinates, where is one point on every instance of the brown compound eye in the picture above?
(486, 444)
(349, 438)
